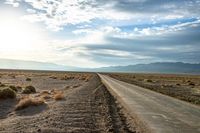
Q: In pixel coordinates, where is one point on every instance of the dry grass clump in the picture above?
(85, 77)
(53, 77)
(148, 80)
(14, 88)
(28, 79)
(12, 76)
(45, 94)
(191, 83)
(29, 89)
(75, 86)
(67, 77)
(7, 93)
(27, 102)
(2, 85)
(58, 95)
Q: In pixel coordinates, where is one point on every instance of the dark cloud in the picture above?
(178, 46)
(149, 6)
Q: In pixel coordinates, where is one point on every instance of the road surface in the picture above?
(160, 113)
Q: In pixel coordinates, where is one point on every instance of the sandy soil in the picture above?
(87, 107)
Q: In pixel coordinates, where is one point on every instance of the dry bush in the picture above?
(13, 76)
(53, 77)
(7, 93)
(45, 94)
(29, 89)
(2, 85)
(28, 79)
(19, 88)
(14, 88)
(67, 77)
(149, 80)
(191, 83)
(58, 95)
(27, 102)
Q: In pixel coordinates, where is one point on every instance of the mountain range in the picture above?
(157, 67)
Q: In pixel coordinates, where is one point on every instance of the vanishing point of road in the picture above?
(158, 112)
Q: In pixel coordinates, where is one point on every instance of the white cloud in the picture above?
(56, 14)
(14, 3)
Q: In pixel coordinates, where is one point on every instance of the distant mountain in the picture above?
(30, 65)
(159, 67)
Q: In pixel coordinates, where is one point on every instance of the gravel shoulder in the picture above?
(86, 108)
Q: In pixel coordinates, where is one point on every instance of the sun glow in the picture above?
(16, 35)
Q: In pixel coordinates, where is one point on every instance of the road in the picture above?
(160, 113)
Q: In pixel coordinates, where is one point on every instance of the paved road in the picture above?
(161, 113)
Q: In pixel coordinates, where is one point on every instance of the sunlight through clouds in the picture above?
(101, 32)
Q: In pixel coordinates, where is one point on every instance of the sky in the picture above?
(99, 33)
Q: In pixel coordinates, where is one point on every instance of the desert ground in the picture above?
(62, 102)
(78, 102)
(180, 86)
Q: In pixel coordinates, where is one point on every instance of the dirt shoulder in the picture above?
(88, 107)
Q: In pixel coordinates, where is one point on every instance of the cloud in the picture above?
(114, 32)
(58, 13)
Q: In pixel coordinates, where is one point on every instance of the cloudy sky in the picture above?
(96, 33)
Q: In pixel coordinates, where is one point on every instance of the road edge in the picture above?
(140, 125)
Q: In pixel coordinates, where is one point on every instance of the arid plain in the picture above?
(49, 101)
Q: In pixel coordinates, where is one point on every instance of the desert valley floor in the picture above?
(78, 102)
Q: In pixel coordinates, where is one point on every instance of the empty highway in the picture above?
(159, 113)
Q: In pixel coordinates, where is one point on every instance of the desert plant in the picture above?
(28, 79)
(19, 88)
(2, 85)
(26, 102)
(7, 93)
(13, 88)
(45, 94)
(58, 95)
(29, 89)
(149, 80)
(13, 76)
(191, 83)
(53, 77)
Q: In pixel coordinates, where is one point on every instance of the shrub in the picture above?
(7, 93)
(29, 89)
(53, 77)
(192, 84)
(45, 94)
(19, 88)
(13, 88)
(27, 102)
(58, 95)
(2, 85)
(149, 80)
(28, 79)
